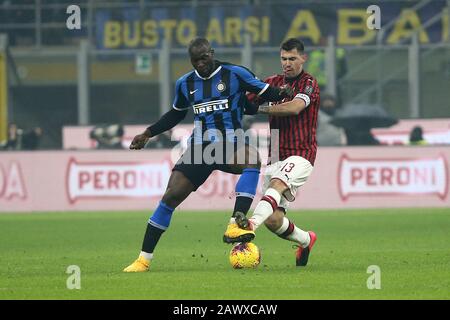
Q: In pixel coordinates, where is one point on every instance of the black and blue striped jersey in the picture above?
(217, 101)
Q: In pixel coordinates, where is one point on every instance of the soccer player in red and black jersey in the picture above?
(295, 122)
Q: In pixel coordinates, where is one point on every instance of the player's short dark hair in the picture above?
(293, 43)
(198, 42)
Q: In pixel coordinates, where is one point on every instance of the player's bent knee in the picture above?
(278, 185)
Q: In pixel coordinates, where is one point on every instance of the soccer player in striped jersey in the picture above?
(295, 122)
(217, 93)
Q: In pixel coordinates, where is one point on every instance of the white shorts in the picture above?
(293, 171)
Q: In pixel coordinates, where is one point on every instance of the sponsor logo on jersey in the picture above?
(211, 106)
(221, 86)
(308, 89)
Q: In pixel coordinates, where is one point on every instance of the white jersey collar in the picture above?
(211, 75)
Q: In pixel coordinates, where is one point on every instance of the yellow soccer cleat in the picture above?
(139, 265)
(234, 233)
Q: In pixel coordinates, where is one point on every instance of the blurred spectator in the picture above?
(14, 140)
(162, 141)
(328, 104)
(327, 133)
(108, 136)
(416, 136)
(316, 64)
(31, 139)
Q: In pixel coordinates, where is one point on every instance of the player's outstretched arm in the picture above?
(169, 120)
(250, 83)
(253, 101)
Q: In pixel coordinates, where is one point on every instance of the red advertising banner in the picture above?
(358, 177)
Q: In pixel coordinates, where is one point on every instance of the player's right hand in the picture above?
(139, 141)
(286, 91)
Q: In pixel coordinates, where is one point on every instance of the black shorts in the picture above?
(198, 168)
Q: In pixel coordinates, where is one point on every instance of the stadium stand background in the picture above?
(45, 55)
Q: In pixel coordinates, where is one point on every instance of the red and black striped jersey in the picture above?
(297, 133)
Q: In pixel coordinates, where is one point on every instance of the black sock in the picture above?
(242, 204)
(151, 238)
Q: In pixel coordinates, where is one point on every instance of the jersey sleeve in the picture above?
(180, 102)
(257, 99)
(249, 82)
(309, 91)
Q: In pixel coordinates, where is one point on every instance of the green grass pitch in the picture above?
(411, 247)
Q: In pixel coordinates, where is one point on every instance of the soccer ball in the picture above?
(245, 255)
